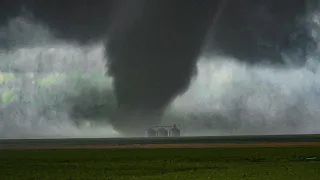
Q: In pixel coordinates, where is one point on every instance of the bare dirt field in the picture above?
(171, 142)
(135, 146)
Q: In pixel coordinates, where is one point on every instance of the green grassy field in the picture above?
(186, 164)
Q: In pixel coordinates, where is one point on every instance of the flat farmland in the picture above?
(248, 163)
(290, 157)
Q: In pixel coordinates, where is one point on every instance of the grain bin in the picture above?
(162, 132)
(150, 132)
(174, 131)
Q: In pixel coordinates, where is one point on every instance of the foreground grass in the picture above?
(186, 164)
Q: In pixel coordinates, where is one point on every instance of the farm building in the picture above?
(174, 131)
(150, 132)
(163, 131)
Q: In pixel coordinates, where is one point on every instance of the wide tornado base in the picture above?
(134, 124)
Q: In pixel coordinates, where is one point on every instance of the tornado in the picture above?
(152, 51)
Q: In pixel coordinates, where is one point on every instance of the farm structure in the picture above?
(163, 131)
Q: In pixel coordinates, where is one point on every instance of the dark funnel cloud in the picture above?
(152, 52)
(152, 46)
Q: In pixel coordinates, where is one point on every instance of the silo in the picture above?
(150, 132)
(174, 131)
(162, 132)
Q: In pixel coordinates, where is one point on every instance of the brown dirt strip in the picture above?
(150, 146)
